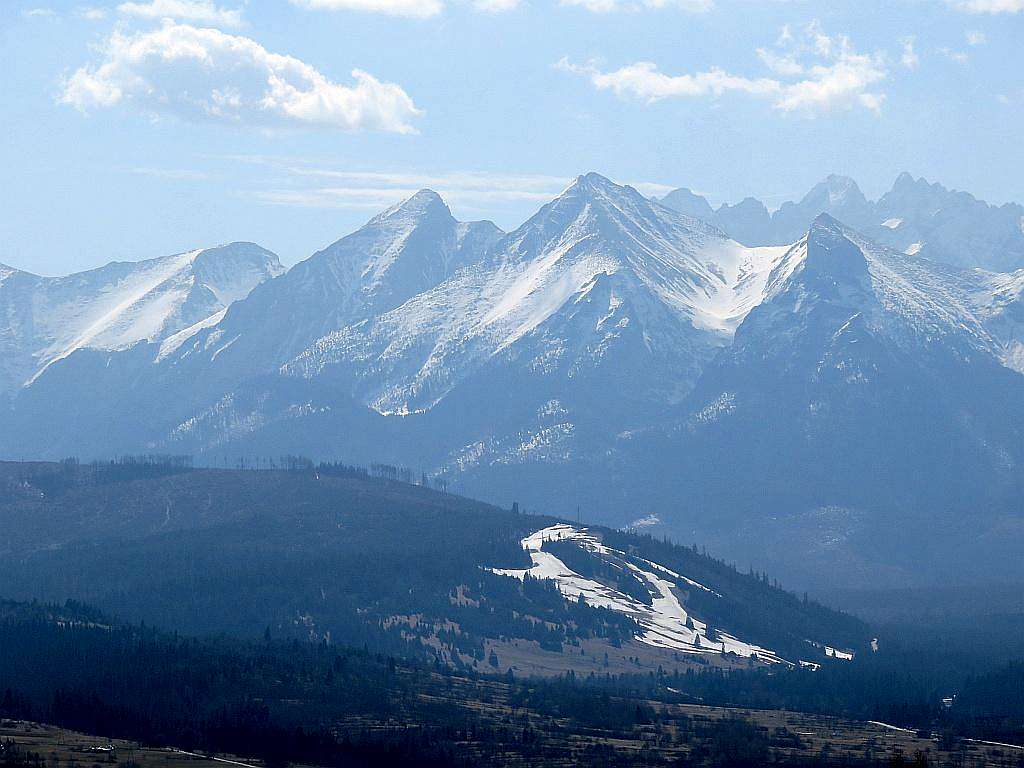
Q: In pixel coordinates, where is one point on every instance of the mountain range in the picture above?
(808, 401)
(915, 217)
(46, 319)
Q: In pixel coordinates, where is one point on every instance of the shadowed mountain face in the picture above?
(914, 217)
(806, 406)
(861, 427)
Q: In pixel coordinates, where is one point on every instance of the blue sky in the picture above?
(138, 129)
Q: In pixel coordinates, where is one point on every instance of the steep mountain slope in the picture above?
(803, 405)
(838, 196)
(915, 217)
(511, 358)
(398, 254)
(193, 390)
(44, 320)
(689, 202)
(949, 226)
(864, 423)
(598, 275)
(748, 221)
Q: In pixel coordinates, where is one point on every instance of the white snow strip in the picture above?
(890, 727)
(172, 343)
(995, 743)
(128, 298)
(214, 759)
(664, 624)
(835, 653)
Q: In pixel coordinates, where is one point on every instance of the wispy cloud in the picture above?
(784, 64)
(198, 11)
(414, 8)
(171, 174)
(307, 185)
(417, 9)
(813, 73)
(975, 37)
(495, 6)
(316, 187)
(909, 57)
(39, 13)
(207, 74)
(91, 13)
(960, 57)
(607, 6)
(988, 6)
(643, 81)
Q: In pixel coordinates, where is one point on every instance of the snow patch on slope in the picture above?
(599, 270)
(122, 303)
(172, 343)
(120, 314)
(664, 624)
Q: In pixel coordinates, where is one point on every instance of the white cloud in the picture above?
(420, 9)
(974, 37)
(960, 57)
(989, 6)
(206, 74)
(92, 14)
(654, 188)
(495, 6)
(414, 8)
(360, 195)
(199, 11)
(815, 73)
(39, 13)
(643, 81)
(171, 174)
(317, 187)
(909, 57)
(312, 186)
(781, 64)
(691, 6)
(607, 6)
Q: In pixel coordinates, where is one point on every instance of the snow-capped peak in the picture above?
(426, 202)
(595, 183)
(407, 249)
(115, 306)
(598, 273)
(825, 223)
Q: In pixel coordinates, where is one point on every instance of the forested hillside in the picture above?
(334, 553)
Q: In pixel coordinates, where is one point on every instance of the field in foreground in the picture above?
(678, 735)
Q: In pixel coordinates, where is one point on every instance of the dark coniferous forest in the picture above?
(338, 616)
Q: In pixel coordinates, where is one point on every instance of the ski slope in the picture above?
(664, 624)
